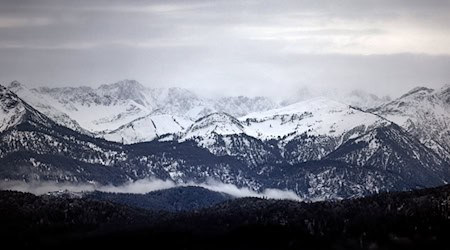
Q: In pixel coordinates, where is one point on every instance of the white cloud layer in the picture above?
(144, 186)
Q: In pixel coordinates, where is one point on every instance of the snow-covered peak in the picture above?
(444, 94)
(105, 108)
(424, 113)
(111, 94)
(180, 102)
(123, 84)
(216, 123)
(414, 98)
(71, 96)
(17, 87)
(418, 92)
(12, 109)
(412, 105)
(124, 90)
(47, 106)
(14, 85)
(445, 88)
(317, 116)
(112, 107)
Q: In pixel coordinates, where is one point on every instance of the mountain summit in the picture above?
(424, 113)
(11, 109)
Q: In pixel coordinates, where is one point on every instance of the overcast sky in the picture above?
(229, 47)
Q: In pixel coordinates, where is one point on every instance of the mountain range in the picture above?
(319, 148)
(110, 110)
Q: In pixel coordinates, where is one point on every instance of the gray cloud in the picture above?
(232, 47)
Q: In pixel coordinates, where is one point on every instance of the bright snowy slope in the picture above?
(222, 134)
(11, 109)
(120, 109)
(218, 123)
(34, 148)
(425, 113)
(147, 128)
(311, 129)
(318, 116)
(44, 105)
(105, 108)
(303, 131)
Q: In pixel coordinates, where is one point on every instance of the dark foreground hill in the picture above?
(409, 220)
(172, 199)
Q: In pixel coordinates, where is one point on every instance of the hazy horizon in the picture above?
(299, 94)
(254, 48)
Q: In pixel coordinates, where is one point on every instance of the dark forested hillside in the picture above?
(173, 199)
(29, 220)
(409, 220)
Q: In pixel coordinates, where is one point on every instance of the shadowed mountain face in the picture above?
(410, 220)
(393, 149)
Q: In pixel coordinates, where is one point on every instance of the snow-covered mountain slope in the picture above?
(125, 104)
(147, 128)
(11, 109)
(319, 116)
(177, 109)
(311, 129)
(45, 106)
(34, 148)
(17, 113)
(424, 113)
(300, 132)
(105, 108)
(179, 102)
(392, 149)
(215, 123)
(223, 134)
